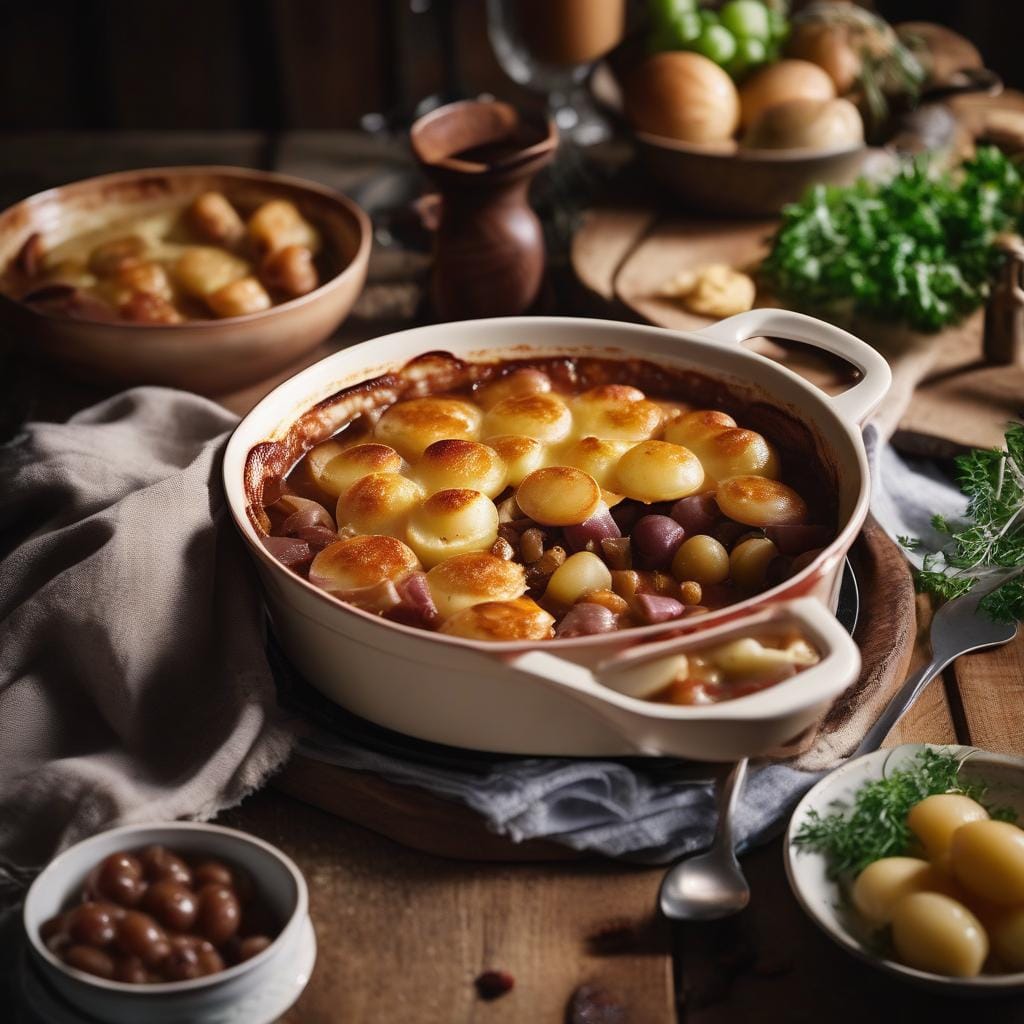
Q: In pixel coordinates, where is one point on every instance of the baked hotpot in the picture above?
(558, 697)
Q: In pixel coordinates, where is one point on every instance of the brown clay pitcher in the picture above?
(489, 244)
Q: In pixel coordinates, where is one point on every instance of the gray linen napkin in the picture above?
(133, 680)
(647, 813)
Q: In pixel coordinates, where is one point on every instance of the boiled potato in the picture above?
(935, 819)
(201, 270)
(882, 884)
(781, 82)
(278, 223)
(935, 933)
(807, 124)
(987, 858)
(239, 298)
(1006, 933)
(212, 216)
(559, 496)
(659, 471)
(577, 575)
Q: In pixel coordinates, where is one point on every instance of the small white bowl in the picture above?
(254, 991)
(824, 900)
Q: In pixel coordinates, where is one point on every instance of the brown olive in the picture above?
(90, 960)
(253, 946)
(212, 872)
(173, 904)
(257, 920)
(130, 969)
(118, 878)
(210, 961)
(181, 964)
(159, 864)
(52, 926)
(219, 913)
(91, 924)
(139, 935)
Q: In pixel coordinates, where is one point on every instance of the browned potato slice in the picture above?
(239, 298)
(290, 270)
(146, 308)
(277, 224)
(214, 219)
(202, 269)
(108, 257)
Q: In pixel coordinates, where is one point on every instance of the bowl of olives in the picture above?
(172, 922)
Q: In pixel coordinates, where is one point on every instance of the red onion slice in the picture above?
(696, 514)
(317, 537)
(795, 540)
(586, 619)
(416, 597)
(598, 527)
(655, 540)
(657, 608)
(307, 514)
(290, 552)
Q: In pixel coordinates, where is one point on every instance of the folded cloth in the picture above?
(658, 811)
(133, 680)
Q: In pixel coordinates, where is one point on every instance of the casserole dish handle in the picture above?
(854, 404)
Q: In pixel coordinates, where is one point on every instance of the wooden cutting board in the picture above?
(944, 396)
(885, 633)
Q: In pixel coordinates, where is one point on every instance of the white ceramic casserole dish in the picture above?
(534, 699)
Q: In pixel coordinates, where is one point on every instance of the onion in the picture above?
(289, 551)
(696, 514)
(657, 608)
(627, 513)
(415, 594)
(317, 537)
(586, 619)
(654, 541)
(795, 540)
(618, 552)
(600, 526)
(307, 513)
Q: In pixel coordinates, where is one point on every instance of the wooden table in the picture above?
(402, 934)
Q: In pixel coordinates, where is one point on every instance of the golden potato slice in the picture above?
(521, 455)
(201, 270)
(692, 428)
(453, 462)
(559, 496)
(379, 503)
(659, 471)
(357, 562)
(541, 416)
(214, 219)
(758, 501)
(736, 452)
(472, 578)
(410, 426)
(278, 223)
(521, 619)
(598, 457)
(335, 469)
(239, 298)
(616, 411)
(512, 385)
(452, 522)
(108, 257)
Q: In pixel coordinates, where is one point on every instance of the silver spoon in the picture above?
(958, 628)
(710, 885)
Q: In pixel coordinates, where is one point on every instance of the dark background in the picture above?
(281, 65)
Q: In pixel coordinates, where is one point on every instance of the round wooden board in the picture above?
(885, 633)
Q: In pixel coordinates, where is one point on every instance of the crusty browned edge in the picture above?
(805, 465)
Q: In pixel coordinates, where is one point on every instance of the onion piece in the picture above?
(795, 540)
(586, 619)
(290, 552)
(655, 540)
(697, 513)
(658, 608)
(600, 526)
(317, 537)
(416, 597)
(305, 515)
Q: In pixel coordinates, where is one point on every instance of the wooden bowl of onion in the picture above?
(740, 111)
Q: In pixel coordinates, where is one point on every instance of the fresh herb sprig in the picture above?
(919, 249)
(875, 825)
(989, 548)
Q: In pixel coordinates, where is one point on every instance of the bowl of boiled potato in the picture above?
(203, 278)
(912, 859)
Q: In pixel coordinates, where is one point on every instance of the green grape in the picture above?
(708, 17)
(716, 43)
(779, 25)
(750, 53)
(746, 19)
(665, 12)
(678, 34)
